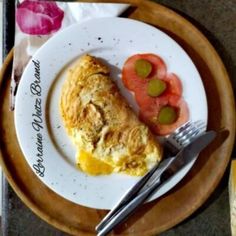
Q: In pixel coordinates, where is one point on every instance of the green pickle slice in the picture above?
(167, 115)
(156, 87)
(143, 68)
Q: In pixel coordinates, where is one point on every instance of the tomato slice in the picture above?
(183, 117)
(151, 106)
(174, 87)
(174, 84)
(142, 98)
(148, 115)
(132, 81)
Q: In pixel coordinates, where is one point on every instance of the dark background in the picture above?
(217, 21)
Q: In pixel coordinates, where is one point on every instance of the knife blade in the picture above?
(186, 155)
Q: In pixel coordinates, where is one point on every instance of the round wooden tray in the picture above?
(181, 201)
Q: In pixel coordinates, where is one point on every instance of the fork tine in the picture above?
(183, 135)
(188, 137)
(186, 134)
(191, 128)
(185, 131)
(191, 125)
(179, 130)
(201, 126)
(194, 129)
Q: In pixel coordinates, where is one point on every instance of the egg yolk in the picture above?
(91, 165)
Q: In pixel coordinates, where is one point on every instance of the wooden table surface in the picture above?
(217, 20)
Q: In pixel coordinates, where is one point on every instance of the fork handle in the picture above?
(127, 197)
(128, 209)
(154, 173)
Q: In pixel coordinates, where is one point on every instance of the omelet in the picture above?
(108, 136)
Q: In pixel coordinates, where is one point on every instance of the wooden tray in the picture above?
(181, 201)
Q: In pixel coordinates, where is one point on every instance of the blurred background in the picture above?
(0, 66)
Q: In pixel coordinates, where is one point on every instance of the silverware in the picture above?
(173, 143)
(186, 155)
(180, 138)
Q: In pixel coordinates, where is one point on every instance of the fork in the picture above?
(174, 143)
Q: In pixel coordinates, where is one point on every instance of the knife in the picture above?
(151, 175)
(184, 157)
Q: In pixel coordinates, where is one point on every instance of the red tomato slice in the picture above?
(150, 106)
(174, 84)
(142, 98)
(148, 115)
(174, 87)
(131, 80)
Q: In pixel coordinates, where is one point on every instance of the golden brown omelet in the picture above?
(107, 134)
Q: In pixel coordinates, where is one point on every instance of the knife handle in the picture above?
(154, 173)
(128, 209)
(127, 197)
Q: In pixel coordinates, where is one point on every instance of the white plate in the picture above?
(39, 127)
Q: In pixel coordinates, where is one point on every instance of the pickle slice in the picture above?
(167, 115)
(156, 87)
(143, 68)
